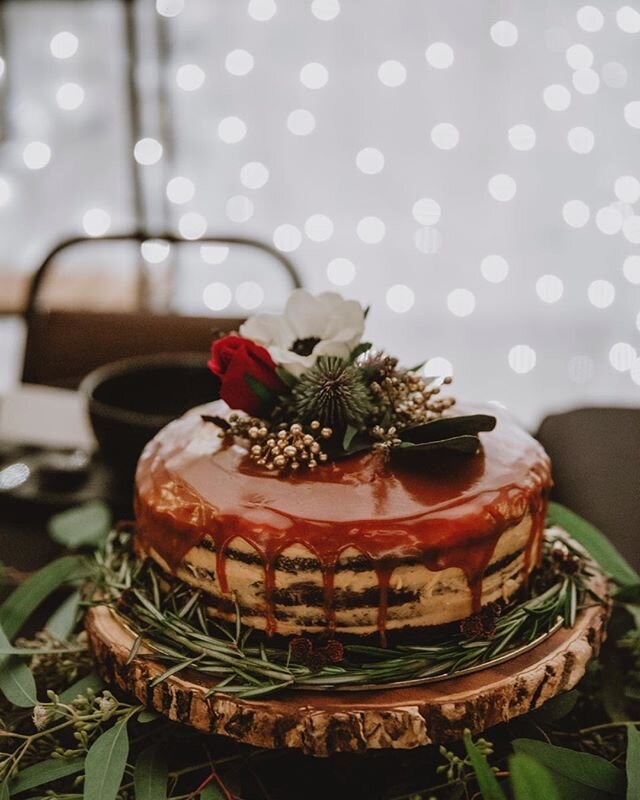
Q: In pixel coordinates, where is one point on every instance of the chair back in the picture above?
(62, 346)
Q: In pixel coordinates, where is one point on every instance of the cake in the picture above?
(357, 548)
(343, 497)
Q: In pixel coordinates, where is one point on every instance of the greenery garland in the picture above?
(64, 735)
(175, 626)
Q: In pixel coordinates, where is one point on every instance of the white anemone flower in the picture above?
(311, 325)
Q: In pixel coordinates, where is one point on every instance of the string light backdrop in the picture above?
(468, 169)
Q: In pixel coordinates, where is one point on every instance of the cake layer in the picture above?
(417, 597)
(354, 547)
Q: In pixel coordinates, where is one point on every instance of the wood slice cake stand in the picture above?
(322, 723)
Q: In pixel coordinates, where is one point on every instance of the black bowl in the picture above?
(130, 400)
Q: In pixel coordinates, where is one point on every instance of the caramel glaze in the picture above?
(449, 512)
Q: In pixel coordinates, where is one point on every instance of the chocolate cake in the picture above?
(362, 547)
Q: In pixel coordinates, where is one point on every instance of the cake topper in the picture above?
(304, 389)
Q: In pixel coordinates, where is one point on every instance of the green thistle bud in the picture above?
(334, 392)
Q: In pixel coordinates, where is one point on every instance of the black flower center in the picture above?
(304, 347)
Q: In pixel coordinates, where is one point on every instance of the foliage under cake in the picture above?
(171, 620)
(67, 736)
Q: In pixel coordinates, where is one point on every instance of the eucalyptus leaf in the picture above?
(146, 715)
(84, 526)
(45, 773)
(633, 763)
(485, 776)
(581, 768)
(19, 606)
(557, 708)
(530, 780)
(17, 683)
(595, 543)
(63, 620)
(151, 773)
(106, 762)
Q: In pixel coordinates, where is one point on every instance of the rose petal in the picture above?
(304, 314)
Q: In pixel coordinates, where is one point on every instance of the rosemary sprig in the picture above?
(175, 626)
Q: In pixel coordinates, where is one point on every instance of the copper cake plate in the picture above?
(322, 723)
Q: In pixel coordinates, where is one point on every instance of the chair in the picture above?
(64, 345)
(596, 465)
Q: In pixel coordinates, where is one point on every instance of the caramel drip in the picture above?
(383, 572)
(449, 516)
(221, 566)
(538, 510)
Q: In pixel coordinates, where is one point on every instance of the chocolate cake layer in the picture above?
(357, 547)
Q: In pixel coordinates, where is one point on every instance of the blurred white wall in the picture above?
(468, 168)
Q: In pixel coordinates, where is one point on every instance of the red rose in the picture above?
(243, 368)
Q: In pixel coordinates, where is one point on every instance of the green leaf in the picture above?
(19, 606)
(595, 543)
(83, 526)
(613, 688)
(146, 716)
(629, 594)
(287, 378)
(359, 350)
(4, 790)
(16, 679)
(106, 762)
(448, 427)
(90, 681)
(462, 444)
(63, 620)
(582, 768)
(557, 708)
(530, 780)
(150, 775)
(350, 432)
(485, 776)
(262, 392)
(45, 772)
(633, 763)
